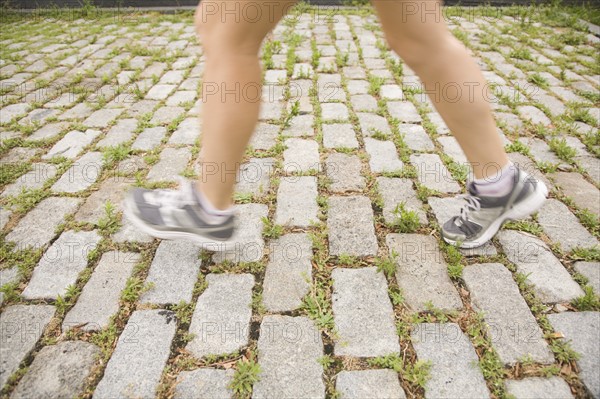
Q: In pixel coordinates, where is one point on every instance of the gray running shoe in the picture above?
(481, 217)
(179, 215)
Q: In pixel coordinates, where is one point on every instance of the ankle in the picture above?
(212, 205)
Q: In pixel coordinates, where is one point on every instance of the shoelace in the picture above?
(472, 204)
(173, 196)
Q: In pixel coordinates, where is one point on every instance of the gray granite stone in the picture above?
(149, 138)
(9, 276)
(539, 388)
(37, 228)
(120, 133)
(334, 112)
(221, 320)
(81, 175)
(160, 92)
(59, 370)
(166, 115)
(254, 177)
(94, 208)
(541, 151)
(187, 132)
(580, 330)
(248, 236)
(391, 92)
(533, 114)
(363, 313)
(301, 125)
(383, 156)
(591, 270)
(297, 201)
(22, 327)
(5, 215)
(395, 192)
(288, 352)
(551, 282)
(204, 383)
(339, 136)
(422, 273)
(514, 331)
(350, 225)
(35, 179)
(173, 273)
(48, 131)
(455, 371)
(416, 138)
(18, 155)
(371, 124)
(288, 272)
(362, 384)
(446, 208)
(562, 226)
(344, 173)
(13, 111)
(301, 156)
(172, 163)
(99, 299)
(264, 136)
(102, 117)
(583, 193)
(433, 174)
(529, 166)
(142, 351)
(452, 149)
(440, 126)
(364, 103)
(130, 233)
(71, 145)
(404, 111)
(61, 264)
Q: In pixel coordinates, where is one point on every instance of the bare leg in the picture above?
(231, 33)
(417, 32)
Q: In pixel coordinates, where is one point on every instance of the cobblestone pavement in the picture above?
(343, 287)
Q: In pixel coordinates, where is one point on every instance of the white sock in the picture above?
(499, 185)
(214, 215)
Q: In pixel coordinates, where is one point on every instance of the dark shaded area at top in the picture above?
(174, 3)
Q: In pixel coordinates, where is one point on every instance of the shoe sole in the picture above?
(520, 211)
(204, 242)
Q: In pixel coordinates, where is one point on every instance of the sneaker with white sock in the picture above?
(180, 215)
(482, 216)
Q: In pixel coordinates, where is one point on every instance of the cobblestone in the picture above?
(433, 174)
(383, 156)
(559, 223)
(297, 201)
(399, 191)
(362, 383)
(538, 388)
(350, 225)
(204, 383)
(81, 175)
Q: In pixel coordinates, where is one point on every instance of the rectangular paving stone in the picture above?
(289, 272)
(81, 175)
(583, 193)
(301, 156)
(301, 125)
(264, 136)
(446, 208)
(99, 299)
(344, 173)
(297, 201)
(142, 351)
(363, 313)
(364, 103)
(204, 383)
(61, 264)
(395, 192)
(371, 124)
(149, 138)
(187, 132)
(415, 137)
(120, 133)
(350, 226)
(533, 114)
(538, 388)
(361, 384)
(391, 92)
(248, 236)
(102, 117)
(404, 111)
(166, 115)
(339, 135)
(254, 176)
(160, 92)
(551, 282)
(525, 163)
(221, 320)
(580, 330)
(71, 145)
(58, 371)
(433, 174)
(422, 272)
(173, 273)
(514, 331)
(334, 112)
(35, 179)
(440, 126)
(172, 163)
(591, 270)
(22, 326)
(289, 349)
(94, 209)
(563, 227)
(383, 156)
(452, 149)
(37, 228)
(455, 371)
